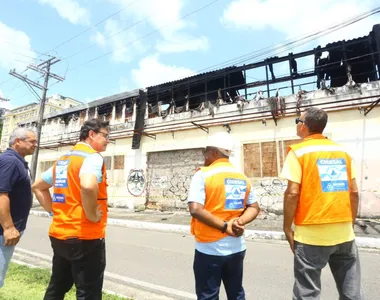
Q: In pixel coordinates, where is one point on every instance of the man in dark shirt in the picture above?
(15, 193)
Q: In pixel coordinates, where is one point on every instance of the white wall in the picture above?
(359, 134)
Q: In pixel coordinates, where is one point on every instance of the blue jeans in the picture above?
(210, 270)
(6, 253)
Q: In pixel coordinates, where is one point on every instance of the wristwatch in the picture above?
(224, 227)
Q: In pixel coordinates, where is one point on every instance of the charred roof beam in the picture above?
(371, 106)
(205, 129)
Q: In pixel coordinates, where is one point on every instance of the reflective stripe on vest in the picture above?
(227, 192)
(69, 220)
(326, 182)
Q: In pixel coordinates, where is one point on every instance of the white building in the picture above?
(170, 148)
(16, 116)
(158, 133)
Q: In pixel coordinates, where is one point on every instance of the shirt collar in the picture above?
(15, 153)
(83, 143)
(220, 160)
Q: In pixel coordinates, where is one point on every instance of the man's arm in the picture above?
(41, 189)
(251, 211)
(354, 198)
(89, 195)
(9, 178)
(196, 200)
(11, 234)
(293, 173)
(249, 214)
(90, 175)
(291, 198)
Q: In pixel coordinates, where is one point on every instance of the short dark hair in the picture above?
(94, 125)
(315, 119)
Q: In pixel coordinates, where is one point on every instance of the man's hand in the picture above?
(289, 233)
(235, 230)
(99, 213)
(11, 236)
(238, 227)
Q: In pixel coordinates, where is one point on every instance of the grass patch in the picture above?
(23, 283)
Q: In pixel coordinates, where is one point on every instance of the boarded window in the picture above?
(285, 145)
(118, 163)
(269, 159)
(265, 159)
(252, 160)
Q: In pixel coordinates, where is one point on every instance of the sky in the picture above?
(111, 46)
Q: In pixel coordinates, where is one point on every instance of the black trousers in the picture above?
(79, 262)
(210, 270)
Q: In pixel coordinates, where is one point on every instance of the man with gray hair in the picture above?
(15, 193)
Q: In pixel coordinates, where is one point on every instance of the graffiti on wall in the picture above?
(159, 182)
(177, 186)
(136, 182)
(270, 192)
(169, 174)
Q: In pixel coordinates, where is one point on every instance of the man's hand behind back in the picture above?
(234, 228)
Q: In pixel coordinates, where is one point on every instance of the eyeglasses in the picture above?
(106, 135)
(298, 121)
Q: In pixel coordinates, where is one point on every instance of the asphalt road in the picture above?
(160, 260)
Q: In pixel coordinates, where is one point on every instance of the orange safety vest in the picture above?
(227, 191)
(326, 182)
(69, 220)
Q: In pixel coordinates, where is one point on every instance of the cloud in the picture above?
(118, 41)
(164, 16)
(99, 39)
(182, 43)
(152, 72)
(15, 45)
(296, 17)
(70, 10)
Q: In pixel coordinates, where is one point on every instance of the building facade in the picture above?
(158, 133)
(159, 172)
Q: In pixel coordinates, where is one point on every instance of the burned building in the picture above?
(157, 132)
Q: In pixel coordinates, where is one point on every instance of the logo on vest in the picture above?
(59, 198)
(235, 193)
(333, 175)
(61, 174)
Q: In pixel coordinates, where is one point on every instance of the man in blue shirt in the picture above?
(15, 193)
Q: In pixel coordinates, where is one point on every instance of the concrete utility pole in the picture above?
(43, 68)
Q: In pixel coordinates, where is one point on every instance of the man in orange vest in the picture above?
(322, 200)
(79, 209)
(221, 203)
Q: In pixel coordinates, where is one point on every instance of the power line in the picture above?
(145, 36)
(44, 69)
(93, 26)
(289, 45)
(106, 38)
(285, 45)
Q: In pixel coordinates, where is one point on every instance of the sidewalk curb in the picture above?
(362, 242)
